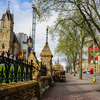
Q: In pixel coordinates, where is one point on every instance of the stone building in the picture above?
(58, 67)
(8, 40)
(46, 57)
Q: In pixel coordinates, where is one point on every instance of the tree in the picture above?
(88, 9)
(71, 40)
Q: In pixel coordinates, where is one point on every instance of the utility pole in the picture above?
(94, 76)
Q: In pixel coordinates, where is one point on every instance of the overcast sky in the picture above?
(23, 23)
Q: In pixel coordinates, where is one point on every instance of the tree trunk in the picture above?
(74, 67)
(74, 61)
(71, 70)
(80, 63)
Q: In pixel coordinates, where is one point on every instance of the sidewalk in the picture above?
(73, 89)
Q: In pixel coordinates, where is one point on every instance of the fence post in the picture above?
(31, 69)
(7, 68)
(22, 69)
(38, 91)
(15, 71)
(39, 80)
(50, 82)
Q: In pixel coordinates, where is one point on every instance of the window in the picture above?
(3, 46)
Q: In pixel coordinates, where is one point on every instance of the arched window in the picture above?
(3, 46)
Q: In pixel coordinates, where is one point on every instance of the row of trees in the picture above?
(73, 27)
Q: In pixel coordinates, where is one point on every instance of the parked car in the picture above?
(61, 76)
(88, 72)
(84, 71)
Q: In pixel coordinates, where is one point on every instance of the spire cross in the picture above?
(47, 36)
(8, 5)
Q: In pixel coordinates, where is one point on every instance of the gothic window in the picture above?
(3, 46)
(4, 35)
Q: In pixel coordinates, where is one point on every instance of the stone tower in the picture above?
(46, 56)
(8, 40)
(6, 32)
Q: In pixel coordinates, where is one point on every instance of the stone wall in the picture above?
(19, 90)
(27, 90)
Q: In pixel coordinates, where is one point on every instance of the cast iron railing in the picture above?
(14, 70)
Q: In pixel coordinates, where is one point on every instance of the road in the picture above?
(91, 76)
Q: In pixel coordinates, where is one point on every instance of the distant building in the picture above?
(29, 40)
(85, 64)
(22, 38)
(58, 67)
(8, 40)
(90, 55)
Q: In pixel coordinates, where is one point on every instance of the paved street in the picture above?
(73, 89)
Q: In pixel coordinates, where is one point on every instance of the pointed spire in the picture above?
(9, 5)
(47, 35)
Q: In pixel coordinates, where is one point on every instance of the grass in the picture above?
(11, 69)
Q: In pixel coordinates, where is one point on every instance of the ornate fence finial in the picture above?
(8, 53)
(2, 53)
(16, 57)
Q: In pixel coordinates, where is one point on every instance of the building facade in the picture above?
(85, 65)
(22, 38)
(29, 40)
(8, 40)
(90, 56)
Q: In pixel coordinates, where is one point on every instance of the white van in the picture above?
(88, 72)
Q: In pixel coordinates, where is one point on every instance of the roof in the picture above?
(15, 39)
(9, 16)
(29, 39)
(46, 51)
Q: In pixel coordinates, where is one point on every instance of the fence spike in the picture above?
(8, 53)
(2, 53)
